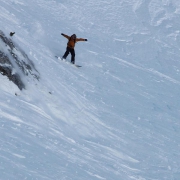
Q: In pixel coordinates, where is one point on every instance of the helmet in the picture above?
(74, 36)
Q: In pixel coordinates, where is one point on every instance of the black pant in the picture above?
(71, 50)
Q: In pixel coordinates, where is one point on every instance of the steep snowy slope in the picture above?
(115, 118)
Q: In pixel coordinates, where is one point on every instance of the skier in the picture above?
(70, 46)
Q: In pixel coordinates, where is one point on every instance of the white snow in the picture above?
(115, 118)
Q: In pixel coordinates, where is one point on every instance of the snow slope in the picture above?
(117, 117)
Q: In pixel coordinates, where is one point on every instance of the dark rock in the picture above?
(14, 59)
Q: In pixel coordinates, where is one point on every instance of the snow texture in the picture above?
(117, 117)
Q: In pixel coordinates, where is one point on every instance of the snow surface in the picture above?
(117, 117)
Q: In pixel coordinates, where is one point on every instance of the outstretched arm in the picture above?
(81, 39)
(66, 36)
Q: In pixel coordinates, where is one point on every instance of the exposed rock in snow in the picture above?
(14, 63)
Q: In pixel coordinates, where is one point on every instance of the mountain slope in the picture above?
(117, 117)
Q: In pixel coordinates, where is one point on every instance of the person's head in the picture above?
(73, 36)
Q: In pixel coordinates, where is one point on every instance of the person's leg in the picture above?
(66, 53)
(72, 56)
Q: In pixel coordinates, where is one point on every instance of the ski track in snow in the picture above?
(115, 118)
(148, 70)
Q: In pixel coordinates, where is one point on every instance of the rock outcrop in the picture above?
(14, 63)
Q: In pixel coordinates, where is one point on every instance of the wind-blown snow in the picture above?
(117, 117)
